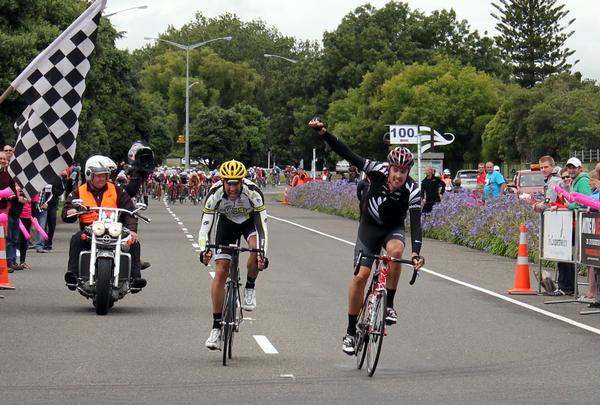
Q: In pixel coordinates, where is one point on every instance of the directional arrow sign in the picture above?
(439, 138)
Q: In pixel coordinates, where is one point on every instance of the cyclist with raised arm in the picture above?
(391, 195)
(240, 207)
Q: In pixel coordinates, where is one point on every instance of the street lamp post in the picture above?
(267, 55)
(187, 49)
(127, 9)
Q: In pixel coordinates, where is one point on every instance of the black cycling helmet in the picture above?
(401, 157)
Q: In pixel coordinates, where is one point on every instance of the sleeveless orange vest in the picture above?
(109, 199)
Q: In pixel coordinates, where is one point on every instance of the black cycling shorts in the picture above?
(229, 232)
(372, 238)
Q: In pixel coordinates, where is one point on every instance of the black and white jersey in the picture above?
(381, 206)
(385, 207)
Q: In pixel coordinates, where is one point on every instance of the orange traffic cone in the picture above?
(4, 283)
(285, 199)
(522, 285)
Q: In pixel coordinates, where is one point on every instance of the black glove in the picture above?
(266, 263)
(415, 259)
(317, 124)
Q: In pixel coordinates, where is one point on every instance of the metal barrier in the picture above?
(570, 236)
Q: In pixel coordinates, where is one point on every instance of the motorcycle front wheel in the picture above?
(104, 277)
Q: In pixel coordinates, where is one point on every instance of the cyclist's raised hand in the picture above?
(206, 256)
(418, 261)
(318, 125)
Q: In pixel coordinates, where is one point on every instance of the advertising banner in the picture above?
(590, 238)
(558, 235)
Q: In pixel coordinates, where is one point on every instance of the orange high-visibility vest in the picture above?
(109, 200)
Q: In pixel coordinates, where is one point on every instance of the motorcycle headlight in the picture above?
(115, 229)
(98, 228)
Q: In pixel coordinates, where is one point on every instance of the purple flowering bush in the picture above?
(493, 226)
(461, 218)
(338, 198)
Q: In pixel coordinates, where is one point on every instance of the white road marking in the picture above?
(195, 245)
(265, 345)
(312, 230)
(187, 235)
(183, 229)
(464, 284)
(291, 376)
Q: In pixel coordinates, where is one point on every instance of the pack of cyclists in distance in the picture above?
(179, 185)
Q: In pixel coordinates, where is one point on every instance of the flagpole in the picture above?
(6, 93)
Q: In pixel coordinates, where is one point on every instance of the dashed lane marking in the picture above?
(265, 345)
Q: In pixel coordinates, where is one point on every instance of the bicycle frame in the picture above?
(371, 326)
(232, 313)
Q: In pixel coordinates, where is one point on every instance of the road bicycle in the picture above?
(232, 314)
(371, 326)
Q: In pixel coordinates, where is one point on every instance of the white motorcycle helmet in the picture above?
(98, 164)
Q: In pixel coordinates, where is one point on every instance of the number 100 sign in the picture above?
(408, 134)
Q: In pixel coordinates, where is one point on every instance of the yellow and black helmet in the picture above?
(232, 170)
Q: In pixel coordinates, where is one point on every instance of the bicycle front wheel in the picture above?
(227, 323)
(362, 337)
(376, 331)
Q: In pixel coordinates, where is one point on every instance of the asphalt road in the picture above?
(455, 343)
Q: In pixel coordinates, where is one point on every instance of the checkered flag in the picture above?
(53, 86)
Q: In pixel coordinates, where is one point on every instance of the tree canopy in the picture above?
(532, 38)
(379, 66)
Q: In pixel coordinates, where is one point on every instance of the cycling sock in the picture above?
(390, 298)
(217, 321)
(250, 282)
(352, 319)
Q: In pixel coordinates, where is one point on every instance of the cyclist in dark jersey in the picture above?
(391, 195)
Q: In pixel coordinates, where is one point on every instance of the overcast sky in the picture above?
(308, 19)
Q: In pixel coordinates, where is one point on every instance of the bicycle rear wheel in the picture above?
(376, 331)
(227, 324)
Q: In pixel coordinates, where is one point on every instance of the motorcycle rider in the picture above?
(97, 191)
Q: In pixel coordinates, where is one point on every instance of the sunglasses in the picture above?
(565, 177)
(8, 150)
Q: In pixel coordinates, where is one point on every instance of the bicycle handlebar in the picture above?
(234, 247)
(387, 259)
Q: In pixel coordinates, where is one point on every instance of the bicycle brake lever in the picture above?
(414, 276)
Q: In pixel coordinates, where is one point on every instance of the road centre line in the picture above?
(261, 340)
(464, 284)
(265, 345)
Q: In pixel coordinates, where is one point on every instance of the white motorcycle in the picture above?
(104, 271)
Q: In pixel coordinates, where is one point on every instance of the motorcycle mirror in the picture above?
(141, 206)
(77, 202)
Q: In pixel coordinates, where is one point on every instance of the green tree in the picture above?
(219, 134)
(397, 33)
(446, 96)
(554, 118)
(532, 38)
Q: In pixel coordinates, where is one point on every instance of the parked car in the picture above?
(468, 178)
(526, 183)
